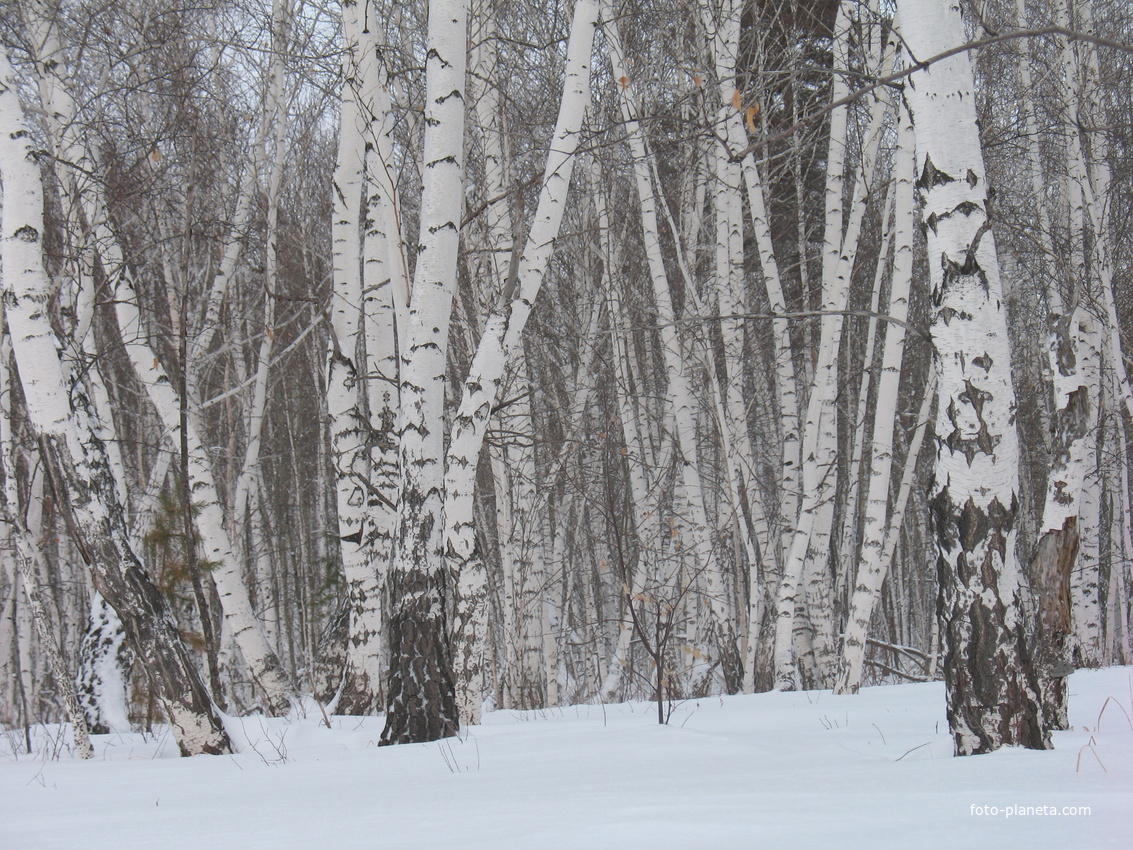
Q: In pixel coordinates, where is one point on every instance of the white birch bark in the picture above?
(804, 569)
(1074, 355)
(1121, 568)
(473, 649)
(1087, 184)
(247, 503)
(345, 376)
(216, 546)
(681, 403)
(103, 679)
(786, 383)
(817, 571)
(217, 549)
(501, 337)
(29, 557)
(723, 26)
(1085, 640)
(385, 301)
(73, 447)
(858, 476)
(519, 526)
(991, 688)
(642, 489)
(421, 700)
(787, 394)
(1085, 589)
(871, 569)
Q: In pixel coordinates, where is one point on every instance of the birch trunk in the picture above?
(103, 680)
(805, 572)
(1120, 569)
(992, 692)
(236, 605)
(1085, 642)
(1074, 358)
(787, 394)
(30, 562)
(360, 686)
(642, 490)
(524, 572)
(421, 699)
(72, 446)
(227, 573)
(501, 337)
(723, 26)
(681, 404)
(871, 568)
(385, 300)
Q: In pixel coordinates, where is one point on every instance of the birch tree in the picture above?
(871, 568)
(421, 702)
(72, 444)
(501, 337)
(681, 404)
(993, 698)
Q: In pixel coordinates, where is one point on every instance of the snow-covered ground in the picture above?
(790, 770)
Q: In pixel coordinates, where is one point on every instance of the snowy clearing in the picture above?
(772, 770)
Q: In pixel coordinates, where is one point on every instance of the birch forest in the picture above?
(426, 359)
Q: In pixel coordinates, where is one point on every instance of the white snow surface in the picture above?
(777, 770)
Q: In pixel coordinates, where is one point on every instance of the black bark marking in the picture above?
(940, 513)
(990, 682)
(973, 525)
(932, 176)
(421, 703)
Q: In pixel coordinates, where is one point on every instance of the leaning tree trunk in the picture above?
(990, 682)
(501, 338)
(871, 567)
(29, 562)
(87, 198)
(72, 445)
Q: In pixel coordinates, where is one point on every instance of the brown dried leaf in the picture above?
(749, 117)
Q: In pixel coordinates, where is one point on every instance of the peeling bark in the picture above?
(72, 445)
(993, 698)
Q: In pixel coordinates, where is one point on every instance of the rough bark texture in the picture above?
(421, 700)
(98, 526)
(103, 680)
(73, 448)
(990, 681)
(1050, 580)
(1074, 361)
